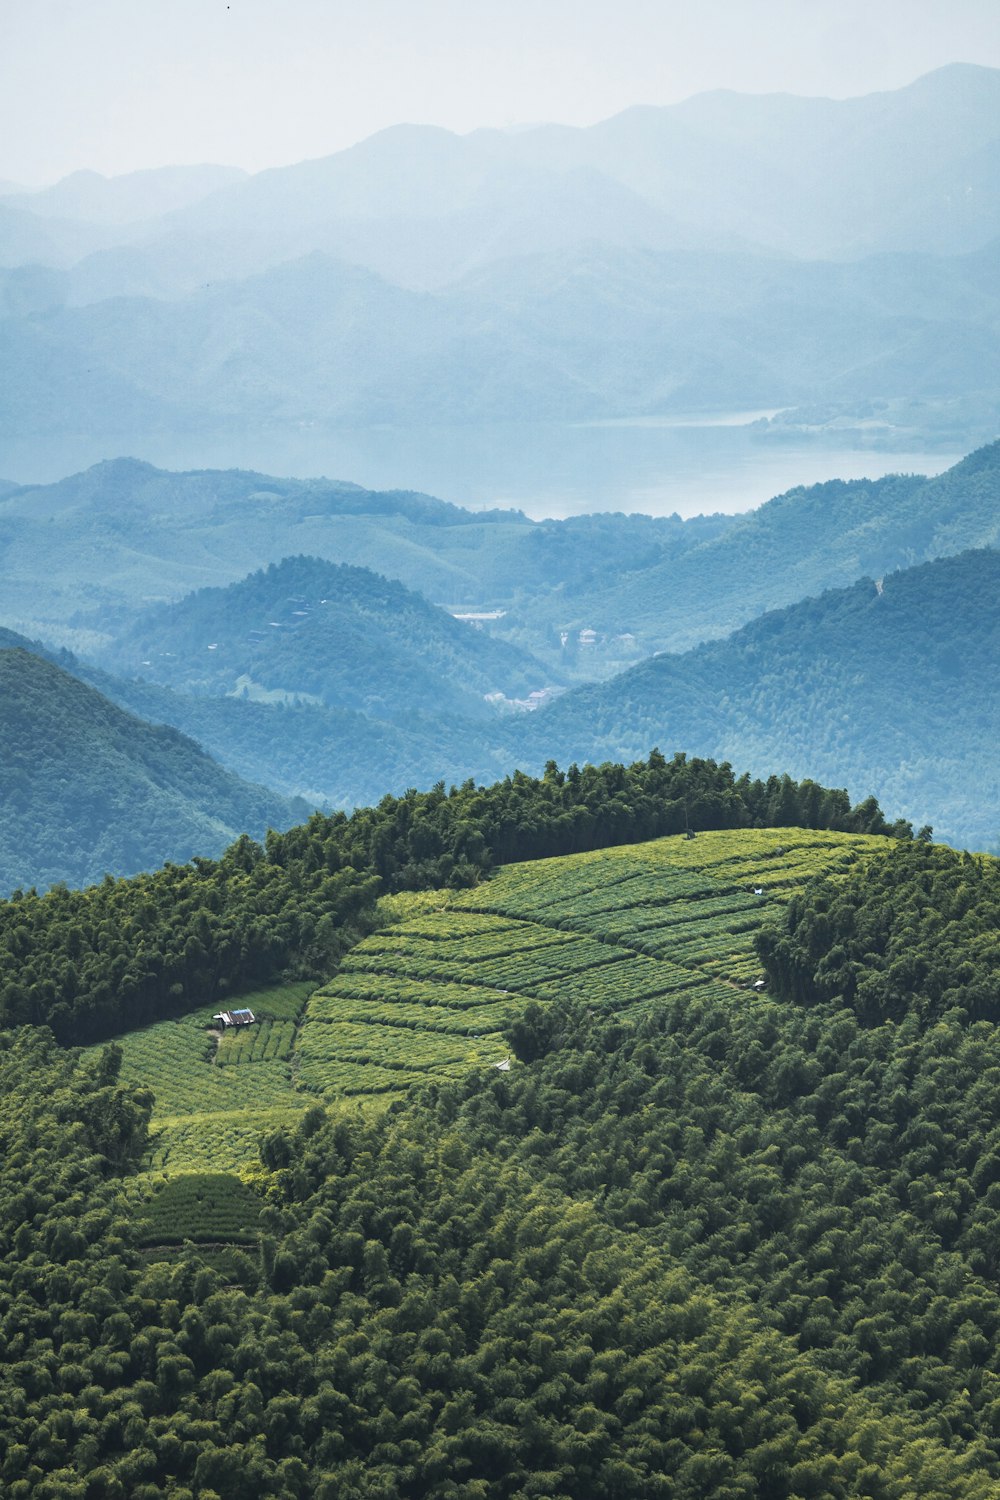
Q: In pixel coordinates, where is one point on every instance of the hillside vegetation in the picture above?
(825, 536)
(340, 635)
(437, 990)
(88, 790)
(91, 963)
(696, 1241)
(890, 682)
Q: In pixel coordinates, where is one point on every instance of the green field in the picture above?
(432, 993)
(201, 1206)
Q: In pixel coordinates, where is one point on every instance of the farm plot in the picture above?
(433, 992)
(472, 1021)
(392, 987)
(200, 1206)
(210, 1110)
(218, 1140)
(267, 1042)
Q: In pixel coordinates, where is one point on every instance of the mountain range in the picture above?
(329, 681)
(729, 252)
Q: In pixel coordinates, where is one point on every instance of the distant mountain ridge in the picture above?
(910, 169)
(727, 253)
(587, 333)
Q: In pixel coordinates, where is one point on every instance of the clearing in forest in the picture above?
(431, 994)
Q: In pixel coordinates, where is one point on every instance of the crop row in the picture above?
(200, 1206)
(522, 971)
(518, 939)
(392, 987)
(332, 1007)
(336, 1076)
(451, 924)
(266, 1042)
(537, 883)
(389, 1046)
(190, 1141)
(622, 984)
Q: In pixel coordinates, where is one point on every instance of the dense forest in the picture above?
(807, 686)
(727, 1248)
(93, 962)
(86, 788)
(342, 635)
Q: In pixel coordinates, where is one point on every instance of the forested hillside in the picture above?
(87, 790)
(89, 963)
(338, 635)
(123, 533)
(82, 557)
(825, 536)
(891, 683)
(706, 1244)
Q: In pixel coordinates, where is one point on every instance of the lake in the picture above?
(691, 466)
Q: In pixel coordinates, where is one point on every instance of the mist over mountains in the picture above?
(729, 252)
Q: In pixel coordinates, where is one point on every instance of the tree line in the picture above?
(94, 962)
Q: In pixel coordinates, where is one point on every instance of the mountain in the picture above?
(92, 198)
(914, 169)
(797, 544)
(889, 686)
(330, 633)
(82, 556)
(596, 332)
(714, 1242)
(729, 253)
(88, 789)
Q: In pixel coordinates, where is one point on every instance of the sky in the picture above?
(118, 85)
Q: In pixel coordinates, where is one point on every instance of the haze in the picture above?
(113, 86)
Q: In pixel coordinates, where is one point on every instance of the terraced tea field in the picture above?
(639, 925)
(431, 994)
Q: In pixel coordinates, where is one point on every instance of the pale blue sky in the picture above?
(120, 84)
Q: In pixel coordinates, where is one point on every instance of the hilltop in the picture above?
(332, 634)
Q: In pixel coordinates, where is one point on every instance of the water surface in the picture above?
(658, 466)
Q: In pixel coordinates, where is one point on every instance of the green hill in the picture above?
(87, 789)
(891, 685)
(436, 991)
(824, 536)
(338, 635)
(83, 556)
(695, 1240)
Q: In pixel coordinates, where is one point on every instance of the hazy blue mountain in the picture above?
(132, 196)
(889, 687)
(339, 635)
(85, 553)
(797, 544)
(87, 789)
(343, 757)
(911, 169)
(592, 334)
